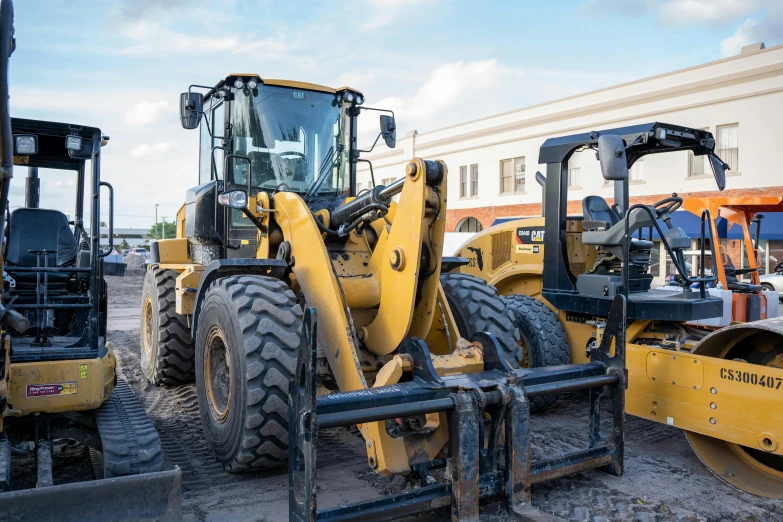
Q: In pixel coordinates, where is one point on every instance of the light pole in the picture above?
(156, 221)
(163, 226)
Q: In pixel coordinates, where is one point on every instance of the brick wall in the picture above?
(486, 215)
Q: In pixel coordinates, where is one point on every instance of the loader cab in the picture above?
(53, 271)
(262, 137)
(613, 241)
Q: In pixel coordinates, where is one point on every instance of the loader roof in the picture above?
(228, 80)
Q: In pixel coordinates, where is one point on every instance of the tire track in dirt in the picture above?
(663, 479)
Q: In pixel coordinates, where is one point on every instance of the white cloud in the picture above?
(386, 11)
(681, 12)
(706, 12)
(758, 20)
(270, 46)
(357, 80)
(153, 38)
(448, 85)
(147, 112)
(746, 34)
(145, 149)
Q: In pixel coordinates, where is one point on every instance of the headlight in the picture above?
(73, 142)
(252, 83)
(359, 99)
(233, 199)
(348, 96)
(25, 144)
(238, 83)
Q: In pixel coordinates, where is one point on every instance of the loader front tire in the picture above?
(167, 352)
(477, 307)
(247, 340)
(544, 339)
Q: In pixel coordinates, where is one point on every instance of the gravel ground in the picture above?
(663, 480)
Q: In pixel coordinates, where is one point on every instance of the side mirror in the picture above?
(611, 153)
(233, 199)
(389, 131)
(718, 170)
(191, 107)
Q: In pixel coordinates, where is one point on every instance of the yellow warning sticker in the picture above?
(245, 241)
(82, 371)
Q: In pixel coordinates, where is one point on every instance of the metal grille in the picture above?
(501, 248)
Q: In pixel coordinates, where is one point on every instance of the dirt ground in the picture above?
(663, 480)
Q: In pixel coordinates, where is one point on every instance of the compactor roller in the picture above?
(559, 275)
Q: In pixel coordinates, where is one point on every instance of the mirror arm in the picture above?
(379, 110)
(373, 144)
(372, 174)
(637, 141)
(256, 221)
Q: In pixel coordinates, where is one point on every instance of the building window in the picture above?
(469, 224)
(512, 176)
(463, 182)
(728, 145)
(697, 168)
(697, 165)
(637, 171)
(574, 170)
(473, 181)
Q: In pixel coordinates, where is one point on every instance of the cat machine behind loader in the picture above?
(746, 298)
(57, 370)
(721, 388)
(281, 275)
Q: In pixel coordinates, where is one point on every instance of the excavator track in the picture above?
(136, 483)
(131, 444)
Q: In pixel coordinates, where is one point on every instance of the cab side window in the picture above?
(215, 122)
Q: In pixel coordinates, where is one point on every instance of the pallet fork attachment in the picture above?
(500, 392)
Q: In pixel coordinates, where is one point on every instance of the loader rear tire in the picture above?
(247, 340)
(477, 307)
(544, 339)
(167, 350)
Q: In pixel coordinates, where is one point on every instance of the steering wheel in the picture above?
(667, 205)
(779, 267)
(291, 153)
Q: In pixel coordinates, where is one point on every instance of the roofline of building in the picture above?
(603, 89)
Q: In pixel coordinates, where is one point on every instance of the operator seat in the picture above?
(262, 169)
(735, 284)
(40, 229)
(599, 215)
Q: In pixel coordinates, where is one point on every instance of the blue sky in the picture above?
(120, 65)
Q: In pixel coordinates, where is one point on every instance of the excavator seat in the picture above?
(40, 229)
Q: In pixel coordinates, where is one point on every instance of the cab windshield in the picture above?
(292, 137)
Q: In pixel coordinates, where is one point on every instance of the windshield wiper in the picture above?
(326, 166)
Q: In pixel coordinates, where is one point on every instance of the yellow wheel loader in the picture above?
(57, 370)
(282, 280)
(559, 275)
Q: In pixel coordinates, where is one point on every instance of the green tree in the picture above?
(171, 231)
(124, 245)
(103, 224)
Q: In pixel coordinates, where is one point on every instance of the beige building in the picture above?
(492, 161)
